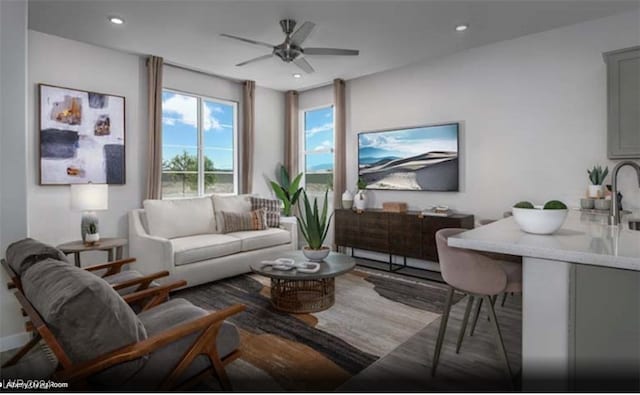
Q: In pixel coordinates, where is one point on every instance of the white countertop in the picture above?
(584, 238)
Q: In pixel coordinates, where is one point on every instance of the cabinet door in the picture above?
(405, 237)
(373, 232)
(430, 225)
(623, 102)
(346, 227)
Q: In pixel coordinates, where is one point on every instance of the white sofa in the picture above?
(184, 237)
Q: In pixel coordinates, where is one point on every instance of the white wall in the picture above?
(269, 139)
(533, 112)
(13, 148)
(57, 61)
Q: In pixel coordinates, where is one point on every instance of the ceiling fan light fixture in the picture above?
(461, 28)
(116, 20)
(297, 75)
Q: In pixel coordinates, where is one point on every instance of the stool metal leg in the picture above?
(465, 320)
(504, 299)
(503, 351)
(443, 328)
(476, 316)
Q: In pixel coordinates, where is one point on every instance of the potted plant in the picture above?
(314, 226)
(288, 192)
(360, 199)
(92, 236)
(596, 177)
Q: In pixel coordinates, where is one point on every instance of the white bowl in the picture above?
(538, 221)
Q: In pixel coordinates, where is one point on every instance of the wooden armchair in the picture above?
(201, 334)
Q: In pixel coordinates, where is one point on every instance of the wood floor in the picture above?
(477, 367)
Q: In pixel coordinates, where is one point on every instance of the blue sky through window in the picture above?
(180, 128)
(318, 132)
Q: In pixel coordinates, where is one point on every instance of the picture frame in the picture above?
(82, 137)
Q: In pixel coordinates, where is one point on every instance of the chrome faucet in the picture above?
(614, 213)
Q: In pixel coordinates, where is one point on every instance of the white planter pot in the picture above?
(316, 255)
(347, 200)
(596, 191)
(92, 237)
(360, 200)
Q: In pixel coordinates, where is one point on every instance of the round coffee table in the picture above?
(295, 292)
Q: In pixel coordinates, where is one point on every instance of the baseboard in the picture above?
(13, 341)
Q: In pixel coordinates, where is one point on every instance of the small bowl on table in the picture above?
(539, 221)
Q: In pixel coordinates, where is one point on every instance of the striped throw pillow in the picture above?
(236, 222)
(273, 209)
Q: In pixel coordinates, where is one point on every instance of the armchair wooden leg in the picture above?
(218, 369)
(443, 328)
(23, 351)
(465, 320)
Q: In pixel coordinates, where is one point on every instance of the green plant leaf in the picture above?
(284, 177)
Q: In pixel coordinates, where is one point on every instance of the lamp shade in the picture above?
(89, 197)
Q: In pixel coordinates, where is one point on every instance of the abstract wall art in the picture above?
(82, 137)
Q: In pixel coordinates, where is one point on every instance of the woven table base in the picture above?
(302, 296)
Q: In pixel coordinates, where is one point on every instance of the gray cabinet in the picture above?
(623, 103)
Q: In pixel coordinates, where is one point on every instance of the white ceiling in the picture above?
(389, 34)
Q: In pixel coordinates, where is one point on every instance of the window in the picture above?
(318, 149)
(198, 145)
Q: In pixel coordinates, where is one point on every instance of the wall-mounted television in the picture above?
(423, 158)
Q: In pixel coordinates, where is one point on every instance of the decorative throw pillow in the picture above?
(229, 203)
(236, 222)
(273, 209)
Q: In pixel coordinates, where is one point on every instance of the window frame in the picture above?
(200, 99)
(303, 146)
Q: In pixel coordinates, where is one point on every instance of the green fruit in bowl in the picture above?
(523, 205)
(554, 205)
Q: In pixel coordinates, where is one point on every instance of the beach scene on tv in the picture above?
(421, 159)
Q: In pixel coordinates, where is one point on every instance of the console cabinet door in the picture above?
(623, 102)
(405, 237)
(373, 234)
(346, 227)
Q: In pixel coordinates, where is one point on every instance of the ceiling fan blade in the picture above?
(247, 40)
(255, 59)
(330, 51)
(303, 64)
(302, 33)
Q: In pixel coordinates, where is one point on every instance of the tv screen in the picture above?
(423, 158)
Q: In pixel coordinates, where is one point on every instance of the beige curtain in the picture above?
(154, 131)
(340, 130)
(291, 133)
(248, 132)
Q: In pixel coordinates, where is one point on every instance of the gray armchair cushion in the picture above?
(84, 313)
(22, 254)
(166, 316)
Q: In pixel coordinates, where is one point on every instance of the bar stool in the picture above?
(479, 276)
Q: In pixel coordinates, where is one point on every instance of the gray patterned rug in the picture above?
(374, 313)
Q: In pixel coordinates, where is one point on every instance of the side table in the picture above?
(108, 244)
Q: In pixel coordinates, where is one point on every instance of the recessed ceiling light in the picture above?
(461, 28)
(297, 75)
(116, 20)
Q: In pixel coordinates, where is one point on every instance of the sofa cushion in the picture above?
(256, 239)
(253, 220)
(85, 314)
(24, 253)
(273, 209)
(231, 204)
(202, 247)
(169, 315)
(179, 217)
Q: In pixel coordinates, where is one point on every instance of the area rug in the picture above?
(374, 313)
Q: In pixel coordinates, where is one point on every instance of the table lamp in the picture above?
(89, 198)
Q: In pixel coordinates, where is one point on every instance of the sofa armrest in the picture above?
(153, 254)
(290, 224)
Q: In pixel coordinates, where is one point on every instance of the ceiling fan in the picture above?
(290, 50)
